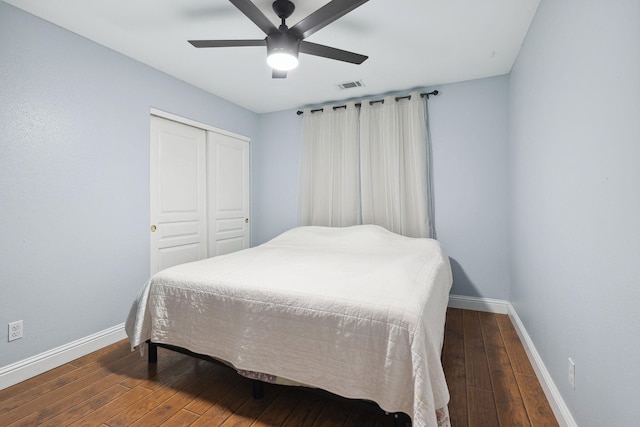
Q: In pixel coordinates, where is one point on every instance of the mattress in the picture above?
(357, 311)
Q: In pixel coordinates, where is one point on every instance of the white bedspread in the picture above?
(357, 311)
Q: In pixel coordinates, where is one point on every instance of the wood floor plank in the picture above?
(230, 403)
(477, 368)
(181, 418)
(280, 409)
(246, 414)
(453, 354)
(509, 403)
(84, 391)
(132, 396)
(538, 408)
(59, 400)
(482, 409)
(61, 384)
(105, 355)
(335, 414)
(86, 407)
(170, 385)
(49, 404)
(11, 404)
(176, 402)
(27, 386)
(137, 410)
(306, 411)
(222, 381)
(168, 369)
(517, 354)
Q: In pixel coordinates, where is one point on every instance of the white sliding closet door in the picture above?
(228, 165)
(178, 194)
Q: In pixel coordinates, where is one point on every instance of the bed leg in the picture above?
(153, 352)
(257, 389)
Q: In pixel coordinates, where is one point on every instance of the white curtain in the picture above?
(367, 166)
(394, 165)
(330, 185)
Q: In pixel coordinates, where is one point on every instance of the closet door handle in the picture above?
(153, 228)
(246, 220)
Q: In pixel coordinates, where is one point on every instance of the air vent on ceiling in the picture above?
(350, 85)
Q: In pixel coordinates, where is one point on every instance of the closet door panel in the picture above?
(228, 170)
(178, 194)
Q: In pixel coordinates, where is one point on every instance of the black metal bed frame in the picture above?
(400, 419)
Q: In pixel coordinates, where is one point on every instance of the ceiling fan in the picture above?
(284, 43)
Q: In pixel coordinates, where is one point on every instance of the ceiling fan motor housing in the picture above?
(283, 43)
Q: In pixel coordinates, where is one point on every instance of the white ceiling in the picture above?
(410, 44)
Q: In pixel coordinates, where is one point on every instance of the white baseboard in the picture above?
(479, 304)
(559, 407)
(36, 365)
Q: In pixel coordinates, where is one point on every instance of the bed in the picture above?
(357, 311)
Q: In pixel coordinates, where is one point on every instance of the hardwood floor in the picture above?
(490, 379)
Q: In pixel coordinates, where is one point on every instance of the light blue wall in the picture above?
(469, 124)
(469, 135)
(74, 178)
(275, 175)
(575, 201)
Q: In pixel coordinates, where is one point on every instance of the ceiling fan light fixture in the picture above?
(282, 61)
(282, 51)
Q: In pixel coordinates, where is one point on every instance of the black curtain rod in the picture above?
(398, 98)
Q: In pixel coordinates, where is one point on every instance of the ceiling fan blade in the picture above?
(252, 12)
(227, 43)
(277, 74)
(324, 16)
(331, 53)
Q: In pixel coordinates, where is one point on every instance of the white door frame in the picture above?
(196, 124)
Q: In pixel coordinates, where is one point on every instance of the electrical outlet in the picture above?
(572, 374)
(15, 330)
